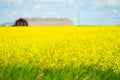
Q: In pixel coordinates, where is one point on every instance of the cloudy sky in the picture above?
(91, 12)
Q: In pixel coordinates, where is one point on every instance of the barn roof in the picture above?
(47, 19)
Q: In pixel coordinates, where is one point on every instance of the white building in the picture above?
(43, 22)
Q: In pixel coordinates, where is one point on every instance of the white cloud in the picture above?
(99, 13)
(49, 1)
(12, 14)
(115, 11)
(14, 1)
(112, 2)
(51, 14)
(98, 3)
(69, 2)
(39, 6)
(106, 2)
(26, 14)
(47, 4)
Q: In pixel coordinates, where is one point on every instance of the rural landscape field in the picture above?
(60, 53)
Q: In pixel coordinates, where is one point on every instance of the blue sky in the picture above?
(91, 12)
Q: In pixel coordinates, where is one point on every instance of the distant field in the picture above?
(60, 53)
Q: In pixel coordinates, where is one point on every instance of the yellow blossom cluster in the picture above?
(58, 47)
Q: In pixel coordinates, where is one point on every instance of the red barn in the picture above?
(21, 22)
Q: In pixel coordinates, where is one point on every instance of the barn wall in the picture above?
(49, 22)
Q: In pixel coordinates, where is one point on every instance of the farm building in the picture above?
(21, 22)
(43, 22)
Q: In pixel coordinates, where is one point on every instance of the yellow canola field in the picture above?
(58, 47)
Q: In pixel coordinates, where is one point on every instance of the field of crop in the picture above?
(60, 53)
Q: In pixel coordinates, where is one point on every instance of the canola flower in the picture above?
(58, 48)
